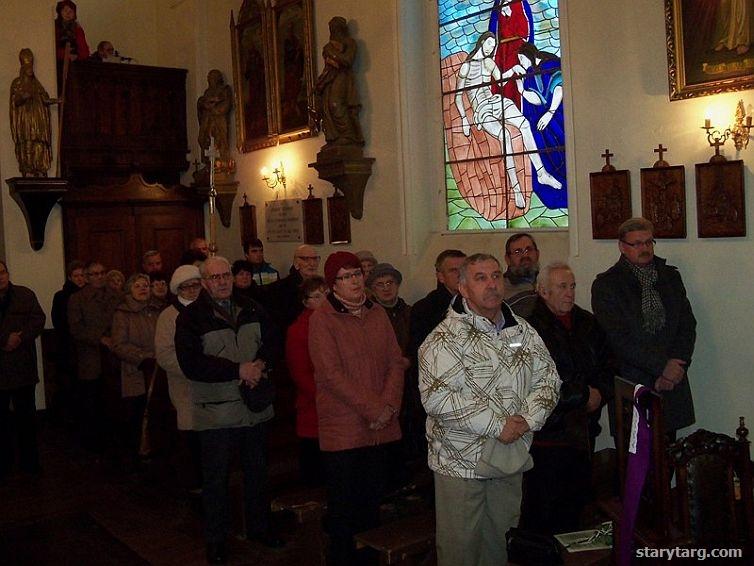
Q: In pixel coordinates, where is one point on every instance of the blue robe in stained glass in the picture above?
(551, 140)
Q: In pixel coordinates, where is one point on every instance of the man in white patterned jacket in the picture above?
(483, 374)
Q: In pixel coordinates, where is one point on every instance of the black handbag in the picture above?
(532, 549)
(259, 397)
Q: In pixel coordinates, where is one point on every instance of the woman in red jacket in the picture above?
(358, 369)
(312, 293)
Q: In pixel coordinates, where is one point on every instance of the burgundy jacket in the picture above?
(358, 370)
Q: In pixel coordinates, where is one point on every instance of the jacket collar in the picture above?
(340, 307)
(458, 309)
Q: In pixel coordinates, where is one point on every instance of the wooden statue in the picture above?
(30, 119)
(336, 97)
(213, 110)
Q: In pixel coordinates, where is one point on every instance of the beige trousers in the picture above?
(473, 517)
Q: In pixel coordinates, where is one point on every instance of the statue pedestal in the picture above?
(348, 170)
(226, 193)
(35, 197)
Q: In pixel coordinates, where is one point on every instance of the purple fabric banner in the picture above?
(639, 455)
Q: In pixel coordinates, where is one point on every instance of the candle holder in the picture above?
(739, 132)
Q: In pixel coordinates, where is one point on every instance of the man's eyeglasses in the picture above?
(523, 251)
(384, 284)
(351, 275)
(220, 276)
(642, 244)
(308, 257)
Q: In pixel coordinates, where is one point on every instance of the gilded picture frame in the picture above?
(273, 72)
(709, 46)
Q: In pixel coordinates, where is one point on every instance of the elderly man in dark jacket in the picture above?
(642, 305)
(21, 321)
(223, 343)
(559, 485)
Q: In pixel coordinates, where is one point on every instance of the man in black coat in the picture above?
(559, 485)
(281, 297)
(642, 305)
(21, 321)
(430, 311)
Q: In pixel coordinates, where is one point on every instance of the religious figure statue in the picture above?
(30, 119)
(70, 34)
(492, 112)
(213, 110)
(337, 100)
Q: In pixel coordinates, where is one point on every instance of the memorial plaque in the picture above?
(720, 199)
(283, 220)
(247, 214)
(339, 219)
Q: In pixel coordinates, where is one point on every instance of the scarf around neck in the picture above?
(652, 309)
(353, 307)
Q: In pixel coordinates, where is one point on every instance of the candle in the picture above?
(707, 124)
(748, 120)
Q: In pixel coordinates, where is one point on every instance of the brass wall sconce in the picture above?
(739, 132)
(278, 179)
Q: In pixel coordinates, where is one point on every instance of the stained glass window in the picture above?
(502, 101)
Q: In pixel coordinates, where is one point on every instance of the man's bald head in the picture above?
(306, 261)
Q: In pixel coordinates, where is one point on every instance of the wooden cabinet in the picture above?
(116, 224)
(123, 119)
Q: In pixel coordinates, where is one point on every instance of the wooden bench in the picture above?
(403, 540)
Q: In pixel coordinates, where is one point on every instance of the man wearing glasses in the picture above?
(283, 294)
(641, 304)
(522, 258)
(223, 342)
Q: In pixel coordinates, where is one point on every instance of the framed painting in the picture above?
(273, 72)
(663, 200)
(709, 46)
(720, 199)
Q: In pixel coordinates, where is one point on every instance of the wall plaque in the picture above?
(720, 199)
(283, 220)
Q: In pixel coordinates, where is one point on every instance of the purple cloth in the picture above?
(636, 473)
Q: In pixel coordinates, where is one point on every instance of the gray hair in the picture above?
(475, 258)
(636, 224)
(543, 279)
(203, 265)
(134, 278)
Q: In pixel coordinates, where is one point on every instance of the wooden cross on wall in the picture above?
(607, 167)
(661, 162)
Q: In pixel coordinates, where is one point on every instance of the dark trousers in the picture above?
(556, 489)
(92, 423)
(218, 447)
(25, 425)
(310, 462)
(355, 485)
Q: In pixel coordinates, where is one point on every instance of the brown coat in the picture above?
(90, 315)
(19, 312)
(133, 332)
(358, 370)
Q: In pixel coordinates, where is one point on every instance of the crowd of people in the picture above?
(495, 380)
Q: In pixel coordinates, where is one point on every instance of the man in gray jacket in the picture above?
(223, 343)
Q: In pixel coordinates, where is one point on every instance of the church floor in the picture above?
(80, 511)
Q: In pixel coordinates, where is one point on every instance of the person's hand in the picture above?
(545, 120)
(384, 419)
(595, 400)
(251, 372)
(662, 383)
(675, 370)
(13, 342)
(515, 427)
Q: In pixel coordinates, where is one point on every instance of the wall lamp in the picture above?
(277, 177)
(739, 132)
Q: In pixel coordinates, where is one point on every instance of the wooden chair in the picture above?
(714, 512)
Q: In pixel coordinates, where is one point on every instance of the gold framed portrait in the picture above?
(273, 72)
(709, 46)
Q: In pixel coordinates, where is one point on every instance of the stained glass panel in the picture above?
(503, 114)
